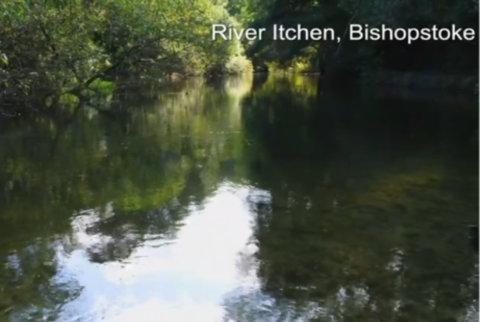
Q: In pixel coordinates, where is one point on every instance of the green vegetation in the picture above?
(349, 194)
(52, 47)
(457, 57)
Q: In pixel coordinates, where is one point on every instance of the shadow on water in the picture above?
(265, 199)
(371, 199)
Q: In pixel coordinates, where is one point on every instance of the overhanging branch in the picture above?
(127, 55)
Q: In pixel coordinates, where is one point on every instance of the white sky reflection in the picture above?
(183, 281)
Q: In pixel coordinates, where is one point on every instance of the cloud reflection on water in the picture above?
(185, 280)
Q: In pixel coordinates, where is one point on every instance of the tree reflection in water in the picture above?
(281, 203)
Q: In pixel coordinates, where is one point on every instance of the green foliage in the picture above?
(4, 60)
(70, 44)
(457, 57)
(103, 86)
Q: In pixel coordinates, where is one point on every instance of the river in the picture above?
(242, 200)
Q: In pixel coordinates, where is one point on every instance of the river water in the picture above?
(242, 200)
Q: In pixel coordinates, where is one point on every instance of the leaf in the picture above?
(4, 59)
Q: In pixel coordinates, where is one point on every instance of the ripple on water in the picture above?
(180, 279)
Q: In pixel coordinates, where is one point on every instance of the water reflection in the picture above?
(176, 279)
(241, 200)
(371, 197)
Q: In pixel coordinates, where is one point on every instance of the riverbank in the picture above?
(420, 81)
(397, 80)
(421, 86)
(48, 50)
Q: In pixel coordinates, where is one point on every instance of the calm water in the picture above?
(242, 201)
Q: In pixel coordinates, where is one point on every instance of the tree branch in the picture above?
(123, 59)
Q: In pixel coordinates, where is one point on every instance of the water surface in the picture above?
(242, 200)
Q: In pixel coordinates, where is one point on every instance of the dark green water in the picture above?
(242, 202)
